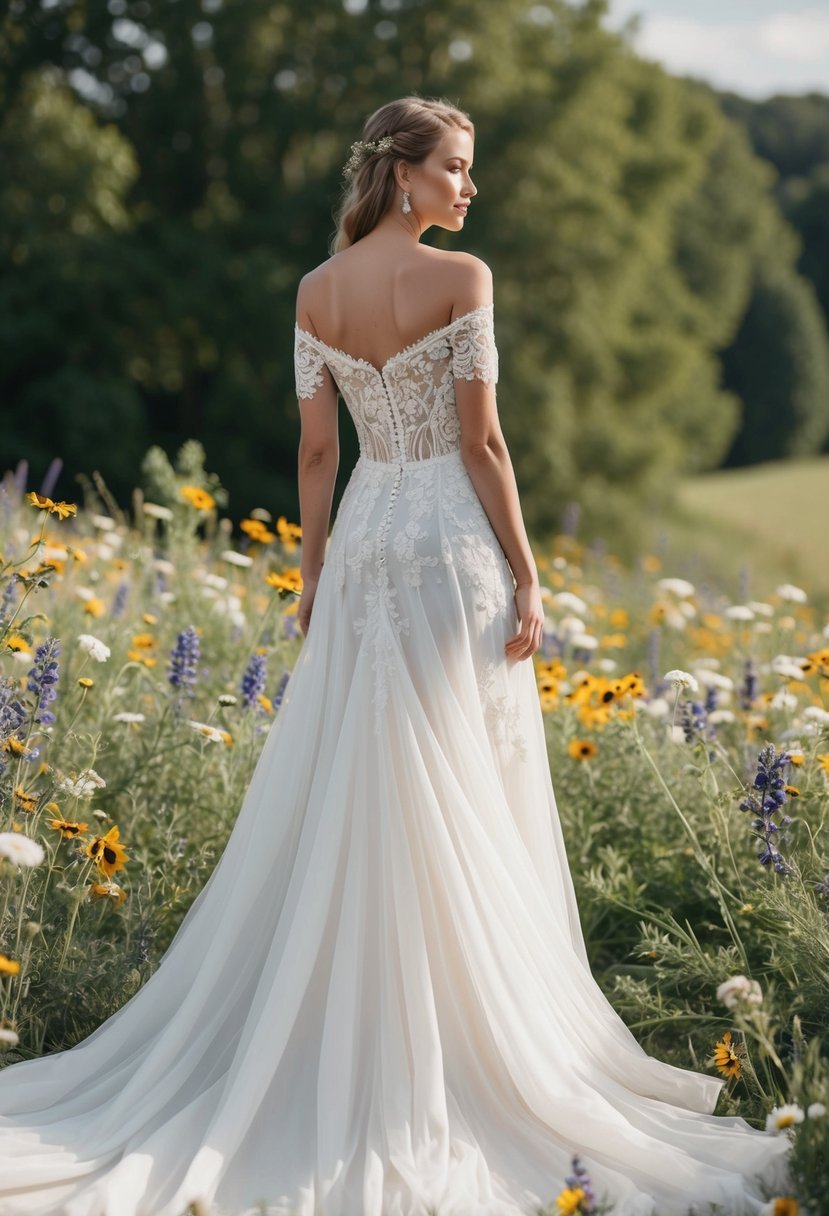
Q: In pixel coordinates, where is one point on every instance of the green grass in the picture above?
(769, 519)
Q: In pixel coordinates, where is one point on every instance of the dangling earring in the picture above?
(406, 205)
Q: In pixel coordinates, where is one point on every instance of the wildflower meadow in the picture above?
(145, 654)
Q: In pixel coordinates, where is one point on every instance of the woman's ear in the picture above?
(401, 174)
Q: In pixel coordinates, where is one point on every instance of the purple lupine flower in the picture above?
(748, 689)
(580, 1178)
(119, 602)
(44, 674)
(771, 784)
(7, 601)
(12, 716)
(253, 681)
(280, 690)
(693, 718)
(184, 660)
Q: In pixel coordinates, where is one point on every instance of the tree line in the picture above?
(169, 173)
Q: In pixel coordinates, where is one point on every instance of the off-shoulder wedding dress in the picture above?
(380, 1003)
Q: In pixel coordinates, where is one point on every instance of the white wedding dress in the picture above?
(380, 1003)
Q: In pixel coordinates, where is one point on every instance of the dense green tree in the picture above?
(778, 366)
(620, 216)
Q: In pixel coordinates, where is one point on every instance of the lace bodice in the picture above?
(405, 410)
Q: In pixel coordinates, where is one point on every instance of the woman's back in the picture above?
(375, 298)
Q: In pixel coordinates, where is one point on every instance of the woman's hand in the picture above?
(524, 644)
(306, 603)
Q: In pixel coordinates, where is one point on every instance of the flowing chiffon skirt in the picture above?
(380, 1002)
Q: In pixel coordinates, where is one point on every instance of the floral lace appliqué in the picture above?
(502, 711)
(308, 363)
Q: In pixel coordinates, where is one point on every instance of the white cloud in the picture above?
(773, 51)
(801, 37)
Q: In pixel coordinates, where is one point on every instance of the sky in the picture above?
(753, 47)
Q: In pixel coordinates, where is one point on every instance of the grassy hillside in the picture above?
(771, 521)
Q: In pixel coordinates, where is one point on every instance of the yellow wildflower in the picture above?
(289, 534)
(107, 890)
(26, 801)
(785, 1205)
(61, 509)
(581, 749)
(288, 580)
(16, 746)
(198, 498)
(570, 1200)
(67, 827)
(107, 852)
(18, 644)
(8, 966)
(728, 1056)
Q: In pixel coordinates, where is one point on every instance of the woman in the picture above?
(380, 1004)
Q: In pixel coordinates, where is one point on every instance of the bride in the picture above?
(380, 1003)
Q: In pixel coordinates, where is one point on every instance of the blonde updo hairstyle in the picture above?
(417, 125)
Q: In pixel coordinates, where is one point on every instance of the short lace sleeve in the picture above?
(307, 365)
(474, 353)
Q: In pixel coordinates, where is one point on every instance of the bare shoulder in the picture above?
(312, 287)
(467, 279)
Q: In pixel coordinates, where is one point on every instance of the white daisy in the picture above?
(21, 849)
(679, 587)
(156, 511)
(739, 990)
(94, 647)
(784, 1117)
(794, 595)
(681, 679)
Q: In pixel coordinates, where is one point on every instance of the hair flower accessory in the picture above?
(362, 148)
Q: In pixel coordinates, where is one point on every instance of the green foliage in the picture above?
(779, 366)
(672, 896)
(622, 213)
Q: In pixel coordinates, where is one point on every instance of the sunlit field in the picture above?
(145, 656)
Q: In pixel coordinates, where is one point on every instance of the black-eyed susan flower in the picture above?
(18, 644)
(68, 828)
(728, 1056)
(198, 498)
(107, 852)
(25, 800)
(61, 509)
(582, 749)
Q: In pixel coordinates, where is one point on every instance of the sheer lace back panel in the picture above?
(405, 410)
